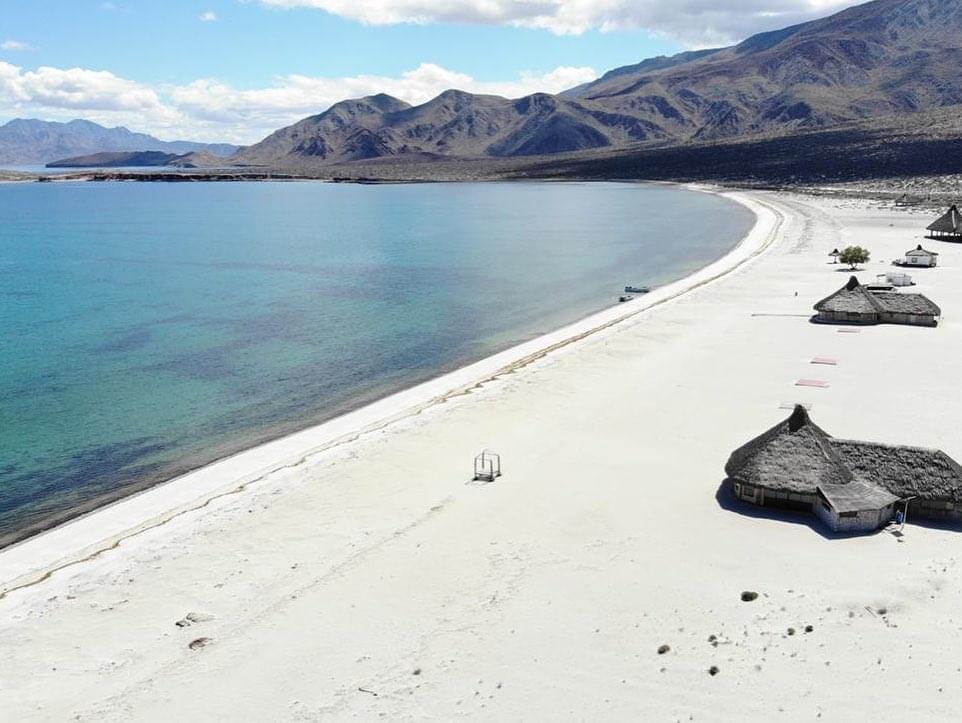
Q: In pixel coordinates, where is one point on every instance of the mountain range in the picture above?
(34, 142)
(869, 69)
(884, 58)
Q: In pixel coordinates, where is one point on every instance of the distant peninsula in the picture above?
(117, 159)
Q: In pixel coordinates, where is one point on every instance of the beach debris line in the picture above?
(487, 466)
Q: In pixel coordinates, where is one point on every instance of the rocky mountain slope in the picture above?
(881, 58)
(453, 124)
(887, 57)
(35, 142)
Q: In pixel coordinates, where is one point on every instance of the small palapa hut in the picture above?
(851, 486)
(856, 304)
(948, 227)
(920, 257)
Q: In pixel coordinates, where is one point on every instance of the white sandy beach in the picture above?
(367, 578)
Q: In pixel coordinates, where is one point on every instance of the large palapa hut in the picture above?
(852, 486)
(948, 227)
(857, 304)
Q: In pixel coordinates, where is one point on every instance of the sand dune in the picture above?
(373, 579)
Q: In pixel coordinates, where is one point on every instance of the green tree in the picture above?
(854, 255)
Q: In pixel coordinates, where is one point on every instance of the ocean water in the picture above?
(150, 328)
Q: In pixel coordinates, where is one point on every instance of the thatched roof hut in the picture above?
(857, 304)
(794, 456)
(851, 485)
(852, 298)
(920, 257)
(948, 226)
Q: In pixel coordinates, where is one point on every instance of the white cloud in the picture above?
(208, 17)
(75, 88)
(207, 109)
(296, 96)
(694, 22)
(14, 45)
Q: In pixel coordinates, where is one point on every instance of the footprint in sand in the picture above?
(198, 643)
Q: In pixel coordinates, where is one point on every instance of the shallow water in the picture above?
(150, 328)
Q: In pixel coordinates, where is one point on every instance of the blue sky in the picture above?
(236, 69)
(249, 44)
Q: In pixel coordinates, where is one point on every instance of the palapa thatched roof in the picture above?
(798, 456)
(853, 298)
(919, 251)
(857, 496)
(893, 302)
(951, 222)
(903, 471)
(793, 456)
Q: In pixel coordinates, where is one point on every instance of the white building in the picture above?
(920, 257)
(896, 278)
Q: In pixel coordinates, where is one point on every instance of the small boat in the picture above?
(626, 297)
(637, 289)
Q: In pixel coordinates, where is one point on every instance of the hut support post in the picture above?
(905, 513)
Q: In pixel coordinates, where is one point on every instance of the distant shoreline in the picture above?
(840, 159)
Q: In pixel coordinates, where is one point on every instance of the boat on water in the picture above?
(637, 289)
(625, 297)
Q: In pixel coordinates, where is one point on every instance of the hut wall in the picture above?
(827, 515)
(747, 493)
(865, 521)
(912, 319)
(786, 500)
(936, 510)
(944, 236)
(845, 317)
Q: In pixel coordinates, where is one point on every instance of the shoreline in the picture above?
(212, 454)
(600, 578)
(87, 535)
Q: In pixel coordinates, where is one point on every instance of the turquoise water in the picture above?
(150, 328)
